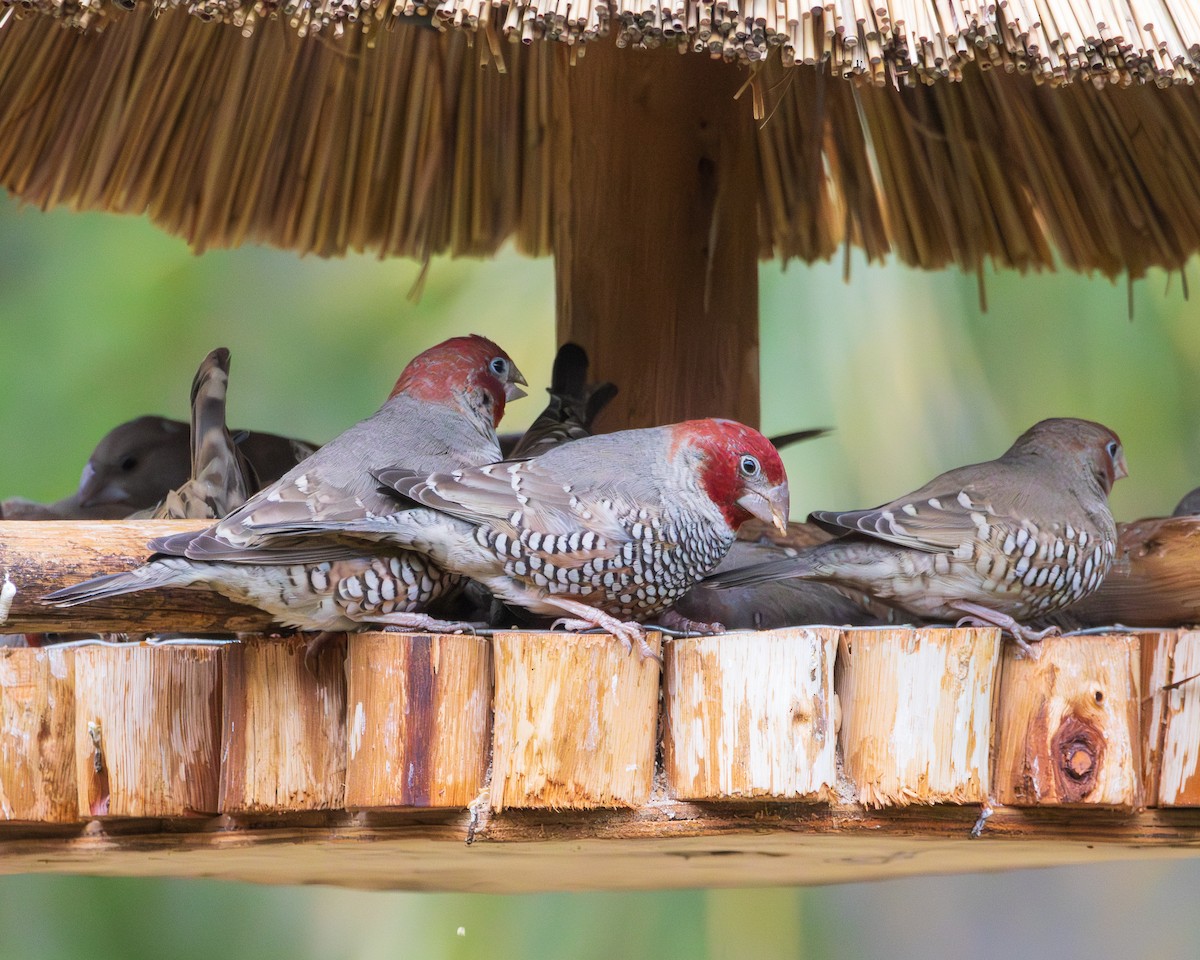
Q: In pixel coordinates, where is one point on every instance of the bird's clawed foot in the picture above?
(423, 623)
(673, 620)
(1023, 637)
(588, 618)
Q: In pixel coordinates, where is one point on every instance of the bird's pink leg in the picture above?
(397, 622)
(673, 620)
(584, 617)
(978, 616)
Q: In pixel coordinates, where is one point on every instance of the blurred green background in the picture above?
(103, 319)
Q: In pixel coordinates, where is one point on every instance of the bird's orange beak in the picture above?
(1120, 469)
(771, 506)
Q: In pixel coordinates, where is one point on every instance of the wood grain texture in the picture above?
(1171, 717)
(40, 557)
(147, 729)
(750, 715)
(419, 720)
(576, 720)
(283, 728)
(656, 264)
(37, 735)
(916, 713)
(1067, 723)
(661, 845)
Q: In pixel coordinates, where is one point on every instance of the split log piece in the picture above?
(147, 728)
(37, 735)
(576, 721)
(283, 730)
(1067, 727)
(419, 718)
(751, 715)
(43, 556)
(1171, 717)
(916, 713)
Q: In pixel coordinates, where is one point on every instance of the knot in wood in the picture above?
(1078, 749)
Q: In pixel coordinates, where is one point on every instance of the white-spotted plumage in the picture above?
(615, 529)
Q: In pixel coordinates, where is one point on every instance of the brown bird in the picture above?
(993, 543)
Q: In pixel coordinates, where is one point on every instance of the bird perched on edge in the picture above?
(441, 414)
(992, 543)
(603, 532)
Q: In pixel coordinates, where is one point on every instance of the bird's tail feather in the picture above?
(393, 529)
(166, 572)
(799, 566)
(781, 440)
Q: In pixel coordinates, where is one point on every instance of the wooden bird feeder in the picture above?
(1027, 134)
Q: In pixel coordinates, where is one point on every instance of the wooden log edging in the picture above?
(710, 813)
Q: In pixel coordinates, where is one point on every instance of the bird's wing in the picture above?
(935, 519)
(520, 495)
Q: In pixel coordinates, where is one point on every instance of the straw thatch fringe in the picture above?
(883, 41)
(397, 141)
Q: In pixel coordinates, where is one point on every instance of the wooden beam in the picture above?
(40, 557)
(656, 232)
(664, 844)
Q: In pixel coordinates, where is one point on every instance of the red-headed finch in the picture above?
(604, 531)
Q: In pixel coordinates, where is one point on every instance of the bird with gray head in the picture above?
(136, 464)
(1012, 539)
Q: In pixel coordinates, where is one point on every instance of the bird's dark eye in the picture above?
(129, 463)
(499, 366)
(1112, 448)
(749, 466)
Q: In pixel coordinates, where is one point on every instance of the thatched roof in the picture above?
(1074, 128)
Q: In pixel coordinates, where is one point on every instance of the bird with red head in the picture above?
(606, 531)
(441, 415)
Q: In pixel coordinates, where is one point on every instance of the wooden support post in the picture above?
(147, 729)
(43, 556)
(576, 721)
(751, 715)
(1067, 723)
(1171, 717)
(283, 732)
(419, 715)
(657, 247)
(916, 713)
(37, 735)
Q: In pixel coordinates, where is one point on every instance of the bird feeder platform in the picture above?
(524, 760)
